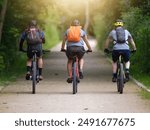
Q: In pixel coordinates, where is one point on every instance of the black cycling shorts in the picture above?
(37, 47)
(75, 50)
(125, 54)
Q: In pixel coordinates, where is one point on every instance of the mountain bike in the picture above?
(121, 78)
(75, 72)
(34, 74)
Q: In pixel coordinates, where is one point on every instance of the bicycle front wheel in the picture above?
(74, 75)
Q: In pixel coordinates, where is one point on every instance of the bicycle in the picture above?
(121, 77)
(75, 72)
(34, 70)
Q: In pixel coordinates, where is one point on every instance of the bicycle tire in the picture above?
(34, 76)
(121, 79)
(118, 77)
(74, 78)
(118, 84)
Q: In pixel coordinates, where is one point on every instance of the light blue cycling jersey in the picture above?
(120, 46)
(80, 43)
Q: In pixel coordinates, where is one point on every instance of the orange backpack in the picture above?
(74, 34)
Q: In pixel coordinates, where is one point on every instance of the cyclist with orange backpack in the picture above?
(74, 38)
(120, 38)
(34, 38)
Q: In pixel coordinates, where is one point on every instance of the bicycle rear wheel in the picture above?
(118, 84)
(120, 81)
(74, 75)
(34, 76)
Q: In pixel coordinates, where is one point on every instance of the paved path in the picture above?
(96, 92)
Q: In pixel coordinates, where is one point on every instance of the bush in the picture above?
(139, 27)
(100, 29)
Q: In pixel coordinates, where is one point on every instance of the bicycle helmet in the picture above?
(75, 22)
(118, 22)
(33, 23)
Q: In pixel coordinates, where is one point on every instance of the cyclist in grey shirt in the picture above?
(75, 48)
(120, 48)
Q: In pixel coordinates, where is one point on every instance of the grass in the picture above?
(7, 79)
(143, 78)
(10, 74)
(145, 94)
(51, 36)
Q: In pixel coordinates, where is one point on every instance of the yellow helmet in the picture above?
(118, 23)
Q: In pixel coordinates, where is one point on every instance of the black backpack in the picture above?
(120, 34)
(33, 36)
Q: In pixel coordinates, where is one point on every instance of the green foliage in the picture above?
(145, 94)
(100, 28)
(144, 5)
(52, 36)
(104, 16)
(139, 27)
(1, 63)
(1, 3)
(19, 13)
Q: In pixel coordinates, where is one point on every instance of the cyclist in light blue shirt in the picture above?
(120, 47)
(75, 48)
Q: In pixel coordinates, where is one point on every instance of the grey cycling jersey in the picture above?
(118, 46)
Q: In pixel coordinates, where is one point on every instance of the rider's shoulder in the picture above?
(112, 31)
(82, 30)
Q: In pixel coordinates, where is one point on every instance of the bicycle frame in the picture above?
(34, 69)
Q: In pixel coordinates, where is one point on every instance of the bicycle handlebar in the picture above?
(44, 51)
(110, 51)
(86, 51)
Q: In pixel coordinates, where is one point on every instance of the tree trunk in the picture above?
(2, 17)
(86, 16)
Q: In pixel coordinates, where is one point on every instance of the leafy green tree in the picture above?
(142, 4)
(19, 13)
